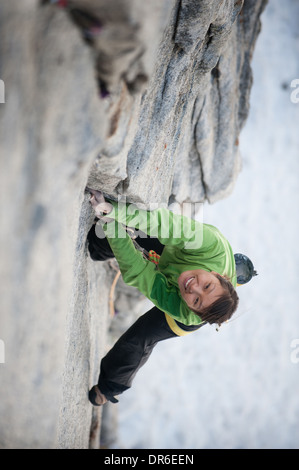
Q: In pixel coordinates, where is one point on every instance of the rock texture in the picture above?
(192, 111)
(144, 100)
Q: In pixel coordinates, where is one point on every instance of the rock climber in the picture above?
(186, 268)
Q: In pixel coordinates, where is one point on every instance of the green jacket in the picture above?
(188, 245)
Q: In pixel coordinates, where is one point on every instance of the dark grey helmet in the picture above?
(244, 268)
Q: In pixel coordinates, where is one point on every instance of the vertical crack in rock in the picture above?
(177, 19)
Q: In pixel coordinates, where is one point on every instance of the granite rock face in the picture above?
(144, 100)
(182, 132)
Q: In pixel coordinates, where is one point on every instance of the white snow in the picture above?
(239, 387)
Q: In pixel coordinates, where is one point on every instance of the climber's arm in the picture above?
(141, 273)
(169, 228)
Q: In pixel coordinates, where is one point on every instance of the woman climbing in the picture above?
(191, 282)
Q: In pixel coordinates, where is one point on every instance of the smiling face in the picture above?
(199, 288)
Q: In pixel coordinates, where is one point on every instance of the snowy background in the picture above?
(239, 387)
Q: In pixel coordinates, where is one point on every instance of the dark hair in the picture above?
(223, 308)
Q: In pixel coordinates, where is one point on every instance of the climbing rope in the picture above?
(111, 294)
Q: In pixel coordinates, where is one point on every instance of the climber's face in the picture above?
(199, 288)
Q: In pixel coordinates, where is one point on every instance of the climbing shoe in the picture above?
(96, 397)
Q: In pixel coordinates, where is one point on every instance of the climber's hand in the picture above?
(99, 205)
(98, 195)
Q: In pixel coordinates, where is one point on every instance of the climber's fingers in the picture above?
(97, 195)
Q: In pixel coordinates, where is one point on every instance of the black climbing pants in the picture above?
(132, 350)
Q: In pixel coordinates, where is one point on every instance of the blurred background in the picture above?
(238, 387)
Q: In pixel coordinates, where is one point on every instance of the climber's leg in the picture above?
(98, 246)
(132, 350)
